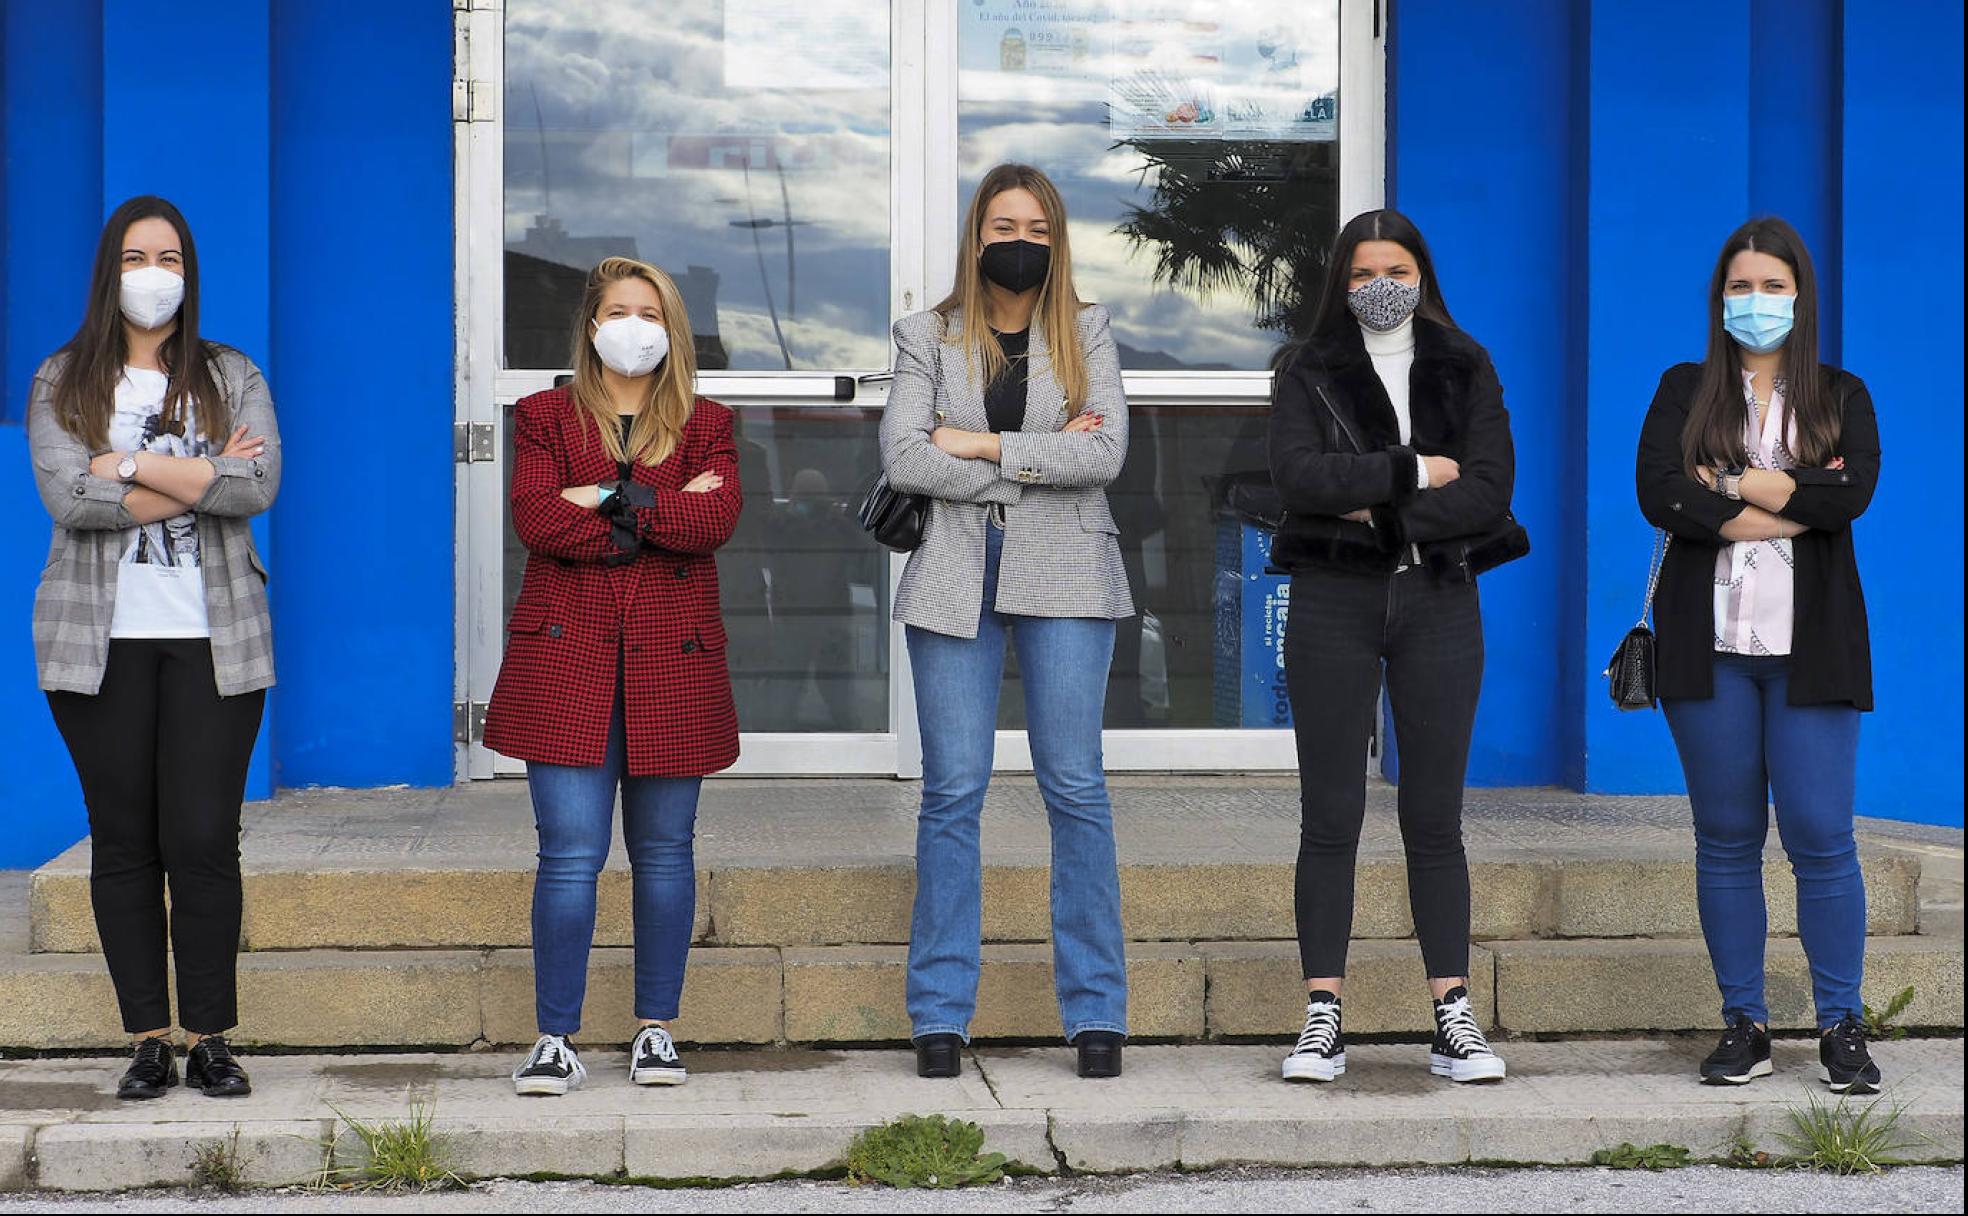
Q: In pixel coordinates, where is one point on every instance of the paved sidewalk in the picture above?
(754, 1114)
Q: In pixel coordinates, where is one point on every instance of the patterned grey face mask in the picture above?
(1383, 303)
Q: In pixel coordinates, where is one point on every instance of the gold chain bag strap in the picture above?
(1630, 672)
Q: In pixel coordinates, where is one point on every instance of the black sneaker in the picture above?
(1321, 1051)
(1848, 1066)
(211, 1068)
(153, 1070)
(653, 1058)
(1460, 1052)
(1099, 1053)
(939, 1055)
(1741, 1056)
(551, 1068)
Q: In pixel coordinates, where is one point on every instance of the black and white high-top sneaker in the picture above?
(1460, 1052)
(1320, 1054)
(1848, 1064)
(1741, 1056)
(653, 1058)
(551, 1068)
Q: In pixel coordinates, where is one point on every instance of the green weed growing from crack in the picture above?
(923, 1151)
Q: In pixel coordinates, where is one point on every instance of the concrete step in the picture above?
(755, 1114)
(854, 994)
(1643, 891)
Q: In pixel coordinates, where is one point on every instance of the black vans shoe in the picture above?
(653, 1058)
(1460, 1052)
(1320, 1054)
(212, 1069)
(939, 1055)
(153, 1070)
(550, 1069)
(1848, 1066)
(1741, 1056)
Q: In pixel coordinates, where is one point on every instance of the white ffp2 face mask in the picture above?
(150, 296)
(631, 346)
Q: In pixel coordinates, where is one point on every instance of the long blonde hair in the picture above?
(1058, 309)
(659, 421)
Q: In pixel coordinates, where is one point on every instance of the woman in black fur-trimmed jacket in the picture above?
(1391, 451)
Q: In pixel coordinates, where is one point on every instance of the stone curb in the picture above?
(761, 1114)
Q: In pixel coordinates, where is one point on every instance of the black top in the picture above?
(625, 469)
(1830, 652)
(1336, 448)
(1004, 397)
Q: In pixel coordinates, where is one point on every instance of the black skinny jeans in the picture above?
(1426, 636)
(162, 758)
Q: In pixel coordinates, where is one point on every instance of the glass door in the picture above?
(800, 167)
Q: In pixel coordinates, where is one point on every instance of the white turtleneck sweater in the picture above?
(1393, 356)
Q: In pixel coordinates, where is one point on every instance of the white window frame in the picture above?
(923, 193)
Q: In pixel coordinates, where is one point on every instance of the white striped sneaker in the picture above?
(551, 1068)
(653, 1058)
(1320, 1054)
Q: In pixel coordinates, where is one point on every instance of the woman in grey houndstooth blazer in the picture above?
(1007, 412)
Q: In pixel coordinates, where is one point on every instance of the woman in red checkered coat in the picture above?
(625, 483)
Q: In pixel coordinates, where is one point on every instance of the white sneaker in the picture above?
(653, 1058)
(1460, 1052)
(551, 1068)
(1320, 1054)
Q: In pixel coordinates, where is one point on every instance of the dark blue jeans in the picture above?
(1738, 748)
(1064, 663)
(574, 810)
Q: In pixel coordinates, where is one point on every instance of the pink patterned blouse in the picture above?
(1755, 579)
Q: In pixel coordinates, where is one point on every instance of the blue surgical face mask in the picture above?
(1759, 323)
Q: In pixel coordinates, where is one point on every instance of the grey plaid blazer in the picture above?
(76, 600)
(1061, 554)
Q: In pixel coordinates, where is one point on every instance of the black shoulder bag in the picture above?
(893, 518)
(1630, 672)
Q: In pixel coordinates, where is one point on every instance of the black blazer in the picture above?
(1336, 447)
(1831, 652)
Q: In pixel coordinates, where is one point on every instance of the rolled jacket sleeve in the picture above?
(75, 498)
(1828, 500)
(1669, 498)
(241, 486)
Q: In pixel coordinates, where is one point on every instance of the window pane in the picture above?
(718, 140)
(1196, 146)
(1195, 143)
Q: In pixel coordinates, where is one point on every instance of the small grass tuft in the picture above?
(1838, 1139)
(402, 1156)
(923, 1151)
(1881, 1023)
(1652, 1157)
(216, 1166)
(1744, 1155)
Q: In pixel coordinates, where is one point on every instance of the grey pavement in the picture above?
(756, 1114)
(806, 822)
(1698, 1189)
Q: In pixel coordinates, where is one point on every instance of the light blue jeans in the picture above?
(574, 810)
(1063, 662)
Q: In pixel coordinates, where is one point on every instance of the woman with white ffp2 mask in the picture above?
(153, 448)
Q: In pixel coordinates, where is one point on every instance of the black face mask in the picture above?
(1016, 266)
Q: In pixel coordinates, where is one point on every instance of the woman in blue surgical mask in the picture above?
(1755, 461)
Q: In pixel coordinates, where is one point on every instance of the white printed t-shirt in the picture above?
(160, 585)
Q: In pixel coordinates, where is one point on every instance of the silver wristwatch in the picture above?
(126, 469)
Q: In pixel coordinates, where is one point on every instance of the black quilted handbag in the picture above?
(1630, 672)
(893, 518)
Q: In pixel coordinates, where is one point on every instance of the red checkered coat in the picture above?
(577, 615)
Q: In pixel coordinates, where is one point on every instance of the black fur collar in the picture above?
(1445, 360)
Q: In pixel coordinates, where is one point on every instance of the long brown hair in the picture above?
(1713, 436)
(85, 394)
(1058, 309)
(665, 409)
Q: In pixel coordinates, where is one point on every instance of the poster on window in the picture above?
(805, 44)
(1165, 69)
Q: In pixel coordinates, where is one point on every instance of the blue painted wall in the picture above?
(1576, 167)
(310, 149)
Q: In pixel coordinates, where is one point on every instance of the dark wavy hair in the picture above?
(85, 395)
(1717, 417)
